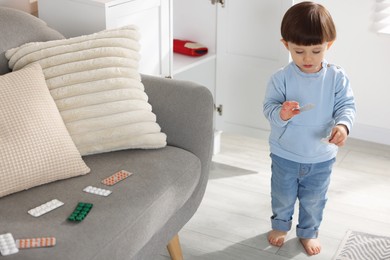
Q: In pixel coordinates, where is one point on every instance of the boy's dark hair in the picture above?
(308, 23)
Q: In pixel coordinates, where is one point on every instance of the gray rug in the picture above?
(363, 246)
(219, 170)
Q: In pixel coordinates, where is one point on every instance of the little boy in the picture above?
(311, 109)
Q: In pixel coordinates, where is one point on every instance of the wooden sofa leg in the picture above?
(175, 249)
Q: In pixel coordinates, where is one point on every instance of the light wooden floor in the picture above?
(233, 219)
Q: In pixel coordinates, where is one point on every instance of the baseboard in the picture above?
(371, 134)
(217, 142)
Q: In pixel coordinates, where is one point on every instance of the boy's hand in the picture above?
(339, 135)
(289, 110)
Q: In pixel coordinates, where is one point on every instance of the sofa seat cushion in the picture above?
(118, 225)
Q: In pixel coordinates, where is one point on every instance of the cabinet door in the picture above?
(152, 17)
(195, 21)
(248, 52)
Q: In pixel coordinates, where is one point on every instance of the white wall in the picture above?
(365, 55)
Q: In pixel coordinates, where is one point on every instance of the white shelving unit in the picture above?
(159, 21)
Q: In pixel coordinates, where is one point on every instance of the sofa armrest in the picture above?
(184, 111)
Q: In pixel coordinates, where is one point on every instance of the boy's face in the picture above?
(308, 58)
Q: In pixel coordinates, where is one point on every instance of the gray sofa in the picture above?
(144, 213)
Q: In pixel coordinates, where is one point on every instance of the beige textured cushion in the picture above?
(95, 83)
(35, 146)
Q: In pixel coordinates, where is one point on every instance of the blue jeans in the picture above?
(306, 182)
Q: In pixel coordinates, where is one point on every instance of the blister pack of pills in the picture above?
(97, 191)
(305, 108)
(7, 244)
(80, 212)
(116, 177)
(44, 208)
(35, 242)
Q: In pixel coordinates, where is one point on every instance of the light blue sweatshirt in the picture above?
(299, 139)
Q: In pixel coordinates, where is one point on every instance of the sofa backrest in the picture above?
(18, 27)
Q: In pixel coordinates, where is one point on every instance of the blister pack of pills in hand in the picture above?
(326, 139)
(305, 108)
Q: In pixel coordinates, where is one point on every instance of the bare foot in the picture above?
(276, 237)
(311, 245)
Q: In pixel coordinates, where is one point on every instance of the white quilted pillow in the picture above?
(95, 83)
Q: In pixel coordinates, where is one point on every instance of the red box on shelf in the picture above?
(189, 48)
